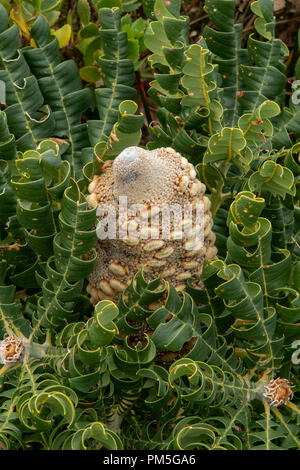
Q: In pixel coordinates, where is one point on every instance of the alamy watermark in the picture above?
(140, 221)
(2, 92)
(296, 92)
(296, 354)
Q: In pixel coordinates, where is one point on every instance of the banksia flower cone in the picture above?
(278, 391)
(11, 350)
(156, 216)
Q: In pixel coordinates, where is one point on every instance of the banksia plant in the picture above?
(165, 227)
(149, 226)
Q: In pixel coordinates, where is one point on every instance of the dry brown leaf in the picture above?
(295, 7)
(279, 5)
(241, 5)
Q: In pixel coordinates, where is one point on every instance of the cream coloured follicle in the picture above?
(153, 179)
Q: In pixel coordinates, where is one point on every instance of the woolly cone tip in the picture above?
(139, 174)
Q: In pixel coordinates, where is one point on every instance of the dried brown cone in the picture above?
(153, 179)
(11, 350)
(278, 392)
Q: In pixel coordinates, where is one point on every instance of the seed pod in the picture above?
(197, 252)
(200, 270)
(168, 272)
(192, 244)
(179, 287)
(211, 252)
(183, 276)
(164, 252)
(176, 235)
(189, 264)
(92, 200)
(105, 287)
(183, 183)
(94, 292)
(131, 241)
(153, 245)
(195, 188)
(192, 172)
(99, 295)
(207, 203)
(211, 237)
(208, 229)
(206, 220)
(117, 285)
(117, 268)
(92, 185)
(155, 263)
(184, 163)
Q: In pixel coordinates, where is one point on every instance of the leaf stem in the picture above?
(217, 197)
